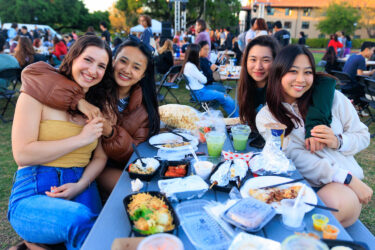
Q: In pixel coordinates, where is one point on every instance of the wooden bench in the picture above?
(359, 232)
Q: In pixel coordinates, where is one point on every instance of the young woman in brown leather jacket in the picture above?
(137, 116)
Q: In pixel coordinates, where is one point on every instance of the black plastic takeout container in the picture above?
(165, 164)
(143, 177)
(159, 195)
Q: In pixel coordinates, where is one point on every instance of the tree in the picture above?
(367, 17)
(117, 19)
(341, 17)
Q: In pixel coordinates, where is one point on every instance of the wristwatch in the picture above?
(348, 179)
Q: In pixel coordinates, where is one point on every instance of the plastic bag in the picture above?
(211, 120)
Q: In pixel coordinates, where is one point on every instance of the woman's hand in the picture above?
(67, 191)
(324, 134)
(363, 192)
(92, 131)
(313, 145)
(213, 67)
(89, 110)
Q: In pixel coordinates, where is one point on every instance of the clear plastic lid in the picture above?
(249, 214)
(201, 229)
(161, 241)
(297, 242)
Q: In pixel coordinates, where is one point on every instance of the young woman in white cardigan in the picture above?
(332, 171)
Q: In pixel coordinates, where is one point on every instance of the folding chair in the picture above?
(195, 100)
(343, 77)
(369, 97)
(173, 73)
(11, 77)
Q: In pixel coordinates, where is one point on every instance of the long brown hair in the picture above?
(104, 94)
(261, 24)
(191, 55)
(24, 52)
(275, 92)
(167, 46)
(247, 86)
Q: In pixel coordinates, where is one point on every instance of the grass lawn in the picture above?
(8, 237)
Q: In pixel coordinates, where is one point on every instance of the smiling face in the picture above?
(204, 51)
(298, 80)
(88, 68)
(129, 68)
(259, 62)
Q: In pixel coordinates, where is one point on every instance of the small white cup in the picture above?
(292, 216)
(203, 168)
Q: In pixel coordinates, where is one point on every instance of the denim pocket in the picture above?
(46, 179)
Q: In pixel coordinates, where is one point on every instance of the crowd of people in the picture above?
(83, 117)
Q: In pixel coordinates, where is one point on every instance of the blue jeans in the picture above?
(38, 218)
(216, 86)
(209, 93)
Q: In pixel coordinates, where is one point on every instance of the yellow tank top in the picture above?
(52, 130)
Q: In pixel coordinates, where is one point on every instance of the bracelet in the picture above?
(110, 135)
(339, 140)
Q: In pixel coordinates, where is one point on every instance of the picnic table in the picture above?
(228, 72)
(368, 62)
(113, 222)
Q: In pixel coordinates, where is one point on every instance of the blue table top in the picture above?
(113, 222)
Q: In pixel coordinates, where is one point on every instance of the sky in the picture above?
(94, 5)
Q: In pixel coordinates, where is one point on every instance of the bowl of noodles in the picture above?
(150, 213)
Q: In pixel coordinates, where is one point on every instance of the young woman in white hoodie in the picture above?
(332, 171)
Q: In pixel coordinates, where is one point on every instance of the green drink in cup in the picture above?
(240, 134)
(215, 141)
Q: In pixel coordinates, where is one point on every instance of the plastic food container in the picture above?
(302, 242)
(166, 164)
(183, 188)
(201, 229)
(249, 214)
(330, 232)
(319, 221)
(203, 168)
(159, 195)
(161, 241)
(143, 177)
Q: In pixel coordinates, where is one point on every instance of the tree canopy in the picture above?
(57, 13)
(339, 16)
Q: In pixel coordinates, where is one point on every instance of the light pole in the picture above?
(177, 14)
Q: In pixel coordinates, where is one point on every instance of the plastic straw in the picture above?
(300, 194)
(195, 156)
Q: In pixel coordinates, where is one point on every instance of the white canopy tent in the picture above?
(155, 27)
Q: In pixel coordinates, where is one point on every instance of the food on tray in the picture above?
(232, 170)
(330, 232)
(179, 116)
(151, 165)
(221, 176)
(176, 171)
(175, 144)
(232, 121)
(275, 194)
(308, 235)
(149, 214)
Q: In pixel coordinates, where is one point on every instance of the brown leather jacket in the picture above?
(44, 83)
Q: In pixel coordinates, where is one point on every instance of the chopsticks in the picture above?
(183, 137)
(283, 183)
(322, 207)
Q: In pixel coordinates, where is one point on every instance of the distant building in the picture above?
(295, 15)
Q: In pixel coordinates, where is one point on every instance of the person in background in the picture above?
(250, 34)
(283, 36)
(36, 32)
(260, 27)
(342, 39)
(356, 65)
(75, 36)
(331, 60)
(228, 43)
(176, 47)
(302, 38)
(90, 31)
(222, 37)
(197, 82)
(185, 44)
(201, 33)
(332, 171)
(237, 51)
(164, 61)
(39, 48)
(334, 42)
(6, 62)
(116, 43)
(59, 51)
(25, 33)
(25, 53)
(348, 46)
(106, 36)
(12, 32)
(146, 35)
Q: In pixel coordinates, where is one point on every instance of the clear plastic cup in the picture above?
(240, 134)
(161, 241)
(330, 232)
(319, 221)
(203, 168)
(215, 142)
(292, 216)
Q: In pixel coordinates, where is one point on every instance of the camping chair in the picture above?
(173, 73)
(11, 77)
(369, 97)
(195, 100)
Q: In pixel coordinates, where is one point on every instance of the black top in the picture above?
(228, 41)
(107, 36)
(164, 62)
(283, 37)
(206, 69)
(302, 41)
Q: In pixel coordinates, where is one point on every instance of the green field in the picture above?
(8, 237)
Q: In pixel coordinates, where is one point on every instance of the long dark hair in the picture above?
(104, 94)
(147, 84)
(191, 55)
(330, 55)
(275, 92)
(247, 86)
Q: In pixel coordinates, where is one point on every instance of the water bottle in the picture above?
(178, 53)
